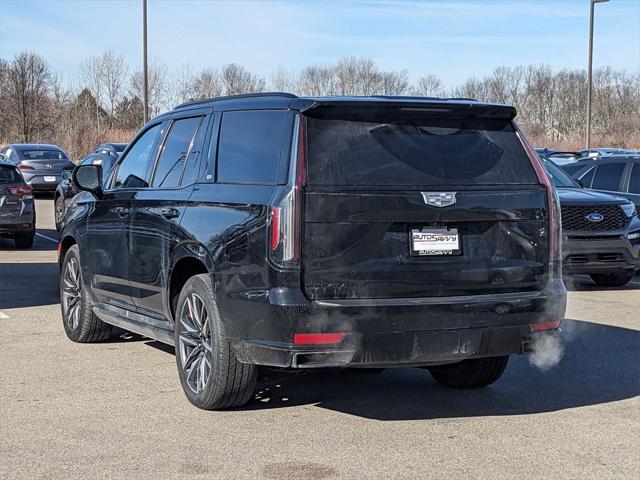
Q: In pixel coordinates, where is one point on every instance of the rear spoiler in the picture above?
(326, 106)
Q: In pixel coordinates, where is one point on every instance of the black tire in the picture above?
(472, 373)
(58, 211)
(80, 323)
(228, 383)
(24, 240)
(611, 279)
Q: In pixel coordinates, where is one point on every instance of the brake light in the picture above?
(553, 210)
(286, 218)
(23, 191)
(317, 338)
(540, 327)
(25, 167)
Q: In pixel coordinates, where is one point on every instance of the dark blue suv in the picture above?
(303, 232)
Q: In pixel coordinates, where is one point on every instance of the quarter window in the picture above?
(250, 146)
(174, 152)
(132, 169)
(607, 176)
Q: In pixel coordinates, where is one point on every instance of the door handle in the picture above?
(169, 213)
(122, 212)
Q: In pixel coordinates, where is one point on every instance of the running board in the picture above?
(147, 328)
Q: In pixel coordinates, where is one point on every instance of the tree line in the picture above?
(103, 103)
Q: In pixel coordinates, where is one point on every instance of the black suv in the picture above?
(601, 232)
(275, 230)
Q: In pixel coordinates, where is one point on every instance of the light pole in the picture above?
(590, 68)
(145, 72)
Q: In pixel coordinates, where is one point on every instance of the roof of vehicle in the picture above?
(34, 146)
(289, 101)
(113, 145)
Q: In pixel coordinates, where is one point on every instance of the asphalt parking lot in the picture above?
(116, 410)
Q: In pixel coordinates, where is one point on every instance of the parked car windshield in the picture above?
(9, 174)
(559, 178)
(400, 149)
(42, 155)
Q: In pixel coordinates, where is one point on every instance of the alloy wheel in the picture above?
(194, 343)
(59, 211)
(71, 293)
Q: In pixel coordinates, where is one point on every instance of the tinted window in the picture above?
(42, 155)
(250, 145)
(120, 147)
(559, 178)
(174, 152)
(132, 169)
(587, 178)
(9, 175)
(396, 148)
(192, 168)
(572, 169)
(607, 176)
(634, 183)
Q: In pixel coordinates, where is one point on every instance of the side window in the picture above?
(193, 165)
(607, 176)
(133, 167)
(174, 152)
(587, 177)
(634, 182)
(250, 145)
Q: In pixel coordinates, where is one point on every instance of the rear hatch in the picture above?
(413, 202)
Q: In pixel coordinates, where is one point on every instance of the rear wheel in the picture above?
(24, 240)
(80, 323)
(611, 279)
(59, 211)
(472, 373)
(211, 375)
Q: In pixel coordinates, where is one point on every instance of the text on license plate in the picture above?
(48, 178)
(430, 241)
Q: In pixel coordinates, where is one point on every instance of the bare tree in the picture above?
(207, 84)
(115, 72)
(236, 79)
(429, 85)
(29, 86)
(283, 81)
(158, 100)
(317, 80)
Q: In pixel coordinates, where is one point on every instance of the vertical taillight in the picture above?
(553, 207)
(286, 217)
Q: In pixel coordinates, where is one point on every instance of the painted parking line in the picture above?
(3, 315)
(54, 240)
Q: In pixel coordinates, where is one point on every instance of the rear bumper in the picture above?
(18, 224)
(402, 333)
(607, 255)
(37, 182)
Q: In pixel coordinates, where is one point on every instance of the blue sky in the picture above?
(454, 39)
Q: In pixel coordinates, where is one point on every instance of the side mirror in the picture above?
(88, 178)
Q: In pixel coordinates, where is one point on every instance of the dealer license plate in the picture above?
(48, 178)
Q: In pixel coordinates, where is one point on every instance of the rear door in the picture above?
(157, 210)
(608, 177)
(411, 204)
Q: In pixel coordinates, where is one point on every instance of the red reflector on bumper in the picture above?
(317, 338)
(537, 327)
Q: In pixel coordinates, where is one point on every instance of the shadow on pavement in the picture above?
(28, 284)
(583, 283)
(600, 365)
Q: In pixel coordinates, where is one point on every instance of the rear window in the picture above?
(9, 175)
(42, 155)
(406, 150)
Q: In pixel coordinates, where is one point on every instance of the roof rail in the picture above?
(417, 97)
(231, 97)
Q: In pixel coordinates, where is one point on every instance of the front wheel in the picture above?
(471, 373)
(80, 323)
(211, 376)
(611, 279)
